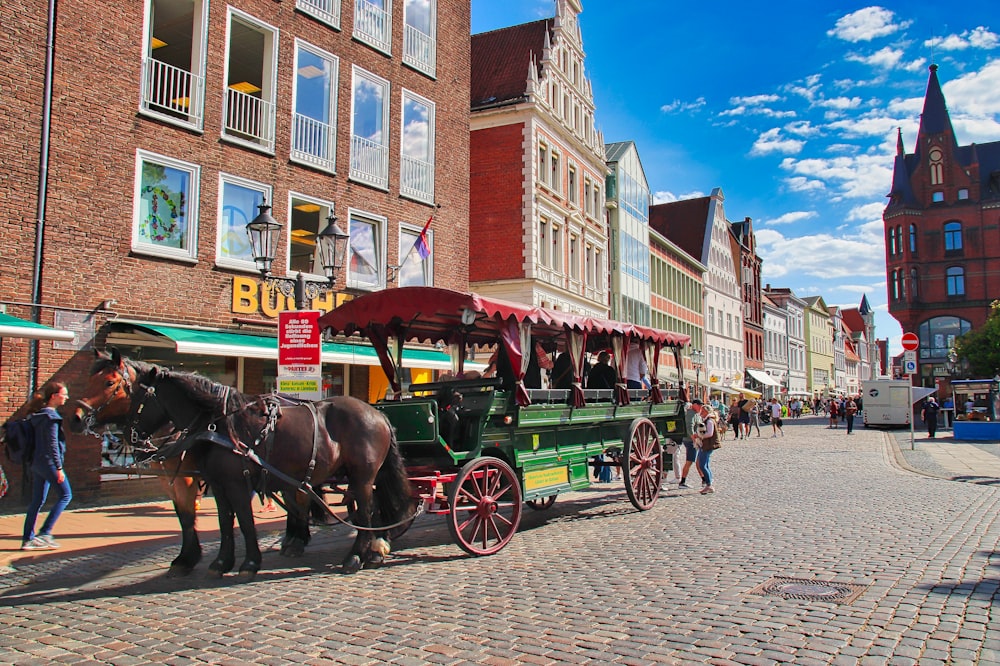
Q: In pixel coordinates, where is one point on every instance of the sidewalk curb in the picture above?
(900, 461)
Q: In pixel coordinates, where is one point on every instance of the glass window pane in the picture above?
(239, 207)
(364, 262)
(163, 195)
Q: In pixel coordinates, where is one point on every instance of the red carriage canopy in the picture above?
(432, 314)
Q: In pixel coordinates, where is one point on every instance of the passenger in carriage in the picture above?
(562, 372)
(635, 367)
(602, 376)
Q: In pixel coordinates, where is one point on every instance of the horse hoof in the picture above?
(249, 571)
(375, 560)
(215, 573)
(352, 564)
(179, 570)
(294, 548)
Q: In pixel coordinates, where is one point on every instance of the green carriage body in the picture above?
(477, 448)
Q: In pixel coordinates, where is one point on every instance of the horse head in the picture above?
(162, 397)
(106, 396)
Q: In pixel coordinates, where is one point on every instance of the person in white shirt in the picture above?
(635, 367)
(775, 408)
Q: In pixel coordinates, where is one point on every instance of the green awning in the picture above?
(210, 342)
(14, 327)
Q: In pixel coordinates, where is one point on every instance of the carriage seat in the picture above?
(549, 396)
(598, 395)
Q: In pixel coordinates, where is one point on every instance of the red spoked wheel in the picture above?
(485, 506)
(643, 461)
(541, 503)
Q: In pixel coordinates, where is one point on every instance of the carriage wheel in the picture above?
(541, 503)
(485, 506)
(643, 463)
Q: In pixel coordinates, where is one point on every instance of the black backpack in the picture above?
(19, 437)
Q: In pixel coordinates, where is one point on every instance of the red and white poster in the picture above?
(299, 346)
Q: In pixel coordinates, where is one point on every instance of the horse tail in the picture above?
(393, 500)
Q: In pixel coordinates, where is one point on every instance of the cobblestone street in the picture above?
(590, 580)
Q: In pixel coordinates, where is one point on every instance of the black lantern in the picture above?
(264, 232)
(333, 244)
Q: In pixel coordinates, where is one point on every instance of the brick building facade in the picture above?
(942, 227)
(170, 122)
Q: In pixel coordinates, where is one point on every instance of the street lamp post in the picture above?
(264, 232)
(697, 360)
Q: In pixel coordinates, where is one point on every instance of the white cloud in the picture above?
(668, 197)
(679, 106)
(979, 38)
(885, 58)
(791, 218)
(840, 103)
(853, 176)
(866, 24)
(803, 184)
(806, 88)
(754, 100)
(771, 141)
(867, 213)
(823, 255)
(802, 128)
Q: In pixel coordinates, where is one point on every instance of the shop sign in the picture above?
(299, 366)
(252, 297)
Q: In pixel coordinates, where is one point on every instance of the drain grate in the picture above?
(809, 589)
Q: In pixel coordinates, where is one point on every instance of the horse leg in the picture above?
(226, 558)
(244, 513)
(185, 492)
(296, 525)
(360, 553)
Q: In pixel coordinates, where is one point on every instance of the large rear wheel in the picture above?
(485, 506)
(541, 503)
(643, 462)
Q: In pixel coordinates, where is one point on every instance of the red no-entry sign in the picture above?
(910, 341)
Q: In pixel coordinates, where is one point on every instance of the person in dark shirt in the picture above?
(562, 372)
(602, 375)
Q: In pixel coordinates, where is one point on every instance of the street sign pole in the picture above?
(909, 379)
(910, 342)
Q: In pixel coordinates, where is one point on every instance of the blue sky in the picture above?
(791, 111)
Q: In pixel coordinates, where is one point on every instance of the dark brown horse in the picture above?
(245, 443)
(105, 401)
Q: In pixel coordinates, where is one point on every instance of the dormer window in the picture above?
(963, 194)
(937, 197)
(937, 166)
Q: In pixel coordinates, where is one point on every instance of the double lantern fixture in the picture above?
(264, 232)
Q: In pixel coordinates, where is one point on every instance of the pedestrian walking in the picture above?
(708, 442)
(833, 414)
(850, 409)
(693, 423)
(776, 422)
(930, 415)
(47, 469)
(734, 417)
(754, 416)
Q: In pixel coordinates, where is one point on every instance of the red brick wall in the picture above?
(497, 197)
(96, 129)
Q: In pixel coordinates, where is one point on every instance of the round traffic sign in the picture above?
(910, 341)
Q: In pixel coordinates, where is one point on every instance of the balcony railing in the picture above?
(249, 118)
(373, 25)
(417, 179)
(171, 90)
(369, 162)
(313, 142)
(419, 50)
(327, 11)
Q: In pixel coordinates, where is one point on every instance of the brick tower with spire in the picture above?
(942, 234)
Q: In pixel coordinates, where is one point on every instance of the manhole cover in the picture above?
(809, 590)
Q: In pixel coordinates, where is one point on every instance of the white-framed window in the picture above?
(251, 81)
(557, 248)
(415, 269)
(572, 184)
(416, 178)
(574, 257)
(239, 201)
(373, 24)
(544, 243)
(165, 209)
(555, 179)
(590, 266)
(173, 65)
(419, 35)
(370, 129)
(543, 163)
(307, 217)
(314, 107)
(601, 268)
(327, 11)
(588, 208)
(366, 264)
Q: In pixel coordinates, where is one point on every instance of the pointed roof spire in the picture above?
(865, 307)
(934, 120)
(900, 150)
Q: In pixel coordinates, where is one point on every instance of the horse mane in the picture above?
(206, 393)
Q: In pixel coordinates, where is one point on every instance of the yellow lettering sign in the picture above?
(251, 297)
(544, 478)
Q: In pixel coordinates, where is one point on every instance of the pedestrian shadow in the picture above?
(978, 480)
(981, 589)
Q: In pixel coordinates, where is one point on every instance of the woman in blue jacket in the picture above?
(47, 468)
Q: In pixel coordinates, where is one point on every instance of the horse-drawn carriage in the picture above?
(477, 448)
(474, 448)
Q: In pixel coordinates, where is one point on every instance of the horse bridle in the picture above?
(149, 393)
(90, 419)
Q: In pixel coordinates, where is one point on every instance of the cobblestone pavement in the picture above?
(591, 580)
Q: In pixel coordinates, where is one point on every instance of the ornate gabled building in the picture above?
(538, 233)
(819, 348)
(941, 230)
(795, 309)
(699, 227)
(753, 313)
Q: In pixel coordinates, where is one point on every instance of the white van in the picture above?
(886, 402)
